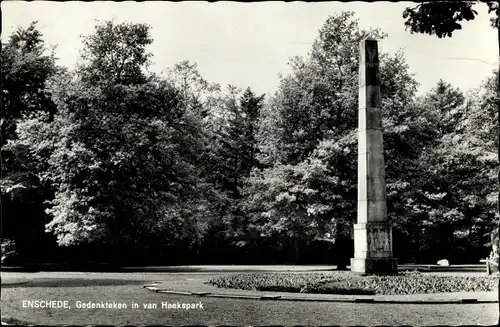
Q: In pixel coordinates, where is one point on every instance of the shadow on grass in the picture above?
(72, 282)
(15, 322)
(329, 289)
(341, 291)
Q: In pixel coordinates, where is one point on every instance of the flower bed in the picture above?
(349, 283)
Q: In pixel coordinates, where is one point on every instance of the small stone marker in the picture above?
(443, 262)
(372, 233)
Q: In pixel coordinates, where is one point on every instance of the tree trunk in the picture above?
(297, 250)
(342, 251)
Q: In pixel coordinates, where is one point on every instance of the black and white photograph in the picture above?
(250, 164)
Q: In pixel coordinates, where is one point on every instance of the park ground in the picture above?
(127, 287)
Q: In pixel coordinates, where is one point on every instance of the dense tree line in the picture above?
(110, 162)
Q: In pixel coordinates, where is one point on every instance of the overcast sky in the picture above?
(249, 44)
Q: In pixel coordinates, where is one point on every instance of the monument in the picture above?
(372, 233)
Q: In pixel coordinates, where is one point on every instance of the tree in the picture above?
(26, 65)
(444, 17)
(230, 156)
(251, 106)
(446, 104)
(240, 142)
(441, 19)
(116, 53)
(121, 151)
(25, 69)
(444, 214)
(197, 93)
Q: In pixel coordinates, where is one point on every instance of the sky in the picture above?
(250, 44)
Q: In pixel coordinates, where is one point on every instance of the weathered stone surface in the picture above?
(370, 164)
(368, 51)
(372, 240)
(369, 119)
(370, 140)
(369, 97)
(375, 209)
(372, 188)
(369, 75)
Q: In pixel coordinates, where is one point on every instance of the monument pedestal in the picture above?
(379, 266)
(372, 249)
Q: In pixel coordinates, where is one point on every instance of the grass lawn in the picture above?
(79, 290)
(216, 311)
(350, 283)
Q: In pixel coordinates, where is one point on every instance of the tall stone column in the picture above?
(372, 233)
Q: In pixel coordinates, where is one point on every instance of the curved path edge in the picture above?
(202, 290)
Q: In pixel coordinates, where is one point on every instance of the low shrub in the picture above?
(8, 248)
(349, 283)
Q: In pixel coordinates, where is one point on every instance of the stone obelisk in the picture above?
(372, 233)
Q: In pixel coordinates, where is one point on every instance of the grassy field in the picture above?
(216, 311)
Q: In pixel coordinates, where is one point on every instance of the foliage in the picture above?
(198, 95)
(444, 17)
(26, 65)
(307, 136)
(25, 68)
(8, 250)
(348, 283)
(440, 18)
(116, 54)
(474, 151)
(307, 142)
(445, 214)
(231, 155)
(120, 151)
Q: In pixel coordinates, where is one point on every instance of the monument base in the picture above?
(374, 265)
